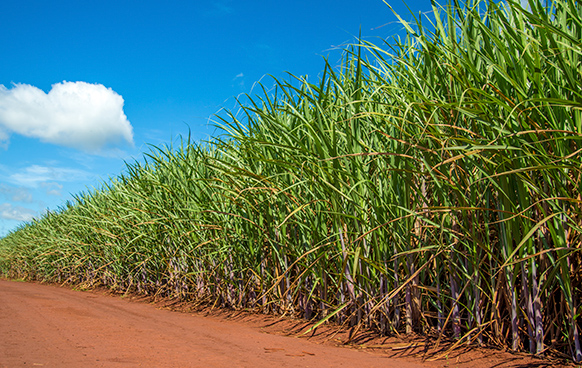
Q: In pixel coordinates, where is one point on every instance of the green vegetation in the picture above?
(430, 185)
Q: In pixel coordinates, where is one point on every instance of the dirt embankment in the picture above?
(49, 326)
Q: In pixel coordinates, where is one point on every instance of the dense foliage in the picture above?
(428, 184)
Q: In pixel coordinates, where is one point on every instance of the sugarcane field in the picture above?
(418, 204)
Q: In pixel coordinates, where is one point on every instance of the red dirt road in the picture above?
(48, 326)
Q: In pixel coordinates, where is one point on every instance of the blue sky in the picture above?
(87, 85)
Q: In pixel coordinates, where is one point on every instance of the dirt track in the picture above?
(48, 326)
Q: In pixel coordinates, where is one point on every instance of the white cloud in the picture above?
(53, 189)
(88, 117)
(10, 212)
(16, 194)
(239, 75)
(3, 139)
(34, 175)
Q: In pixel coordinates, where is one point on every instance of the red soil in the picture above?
(50, 326)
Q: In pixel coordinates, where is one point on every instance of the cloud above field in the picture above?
(53, 189)
(80, 115)
(10, 212)
(45, 176)
(16, 194)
